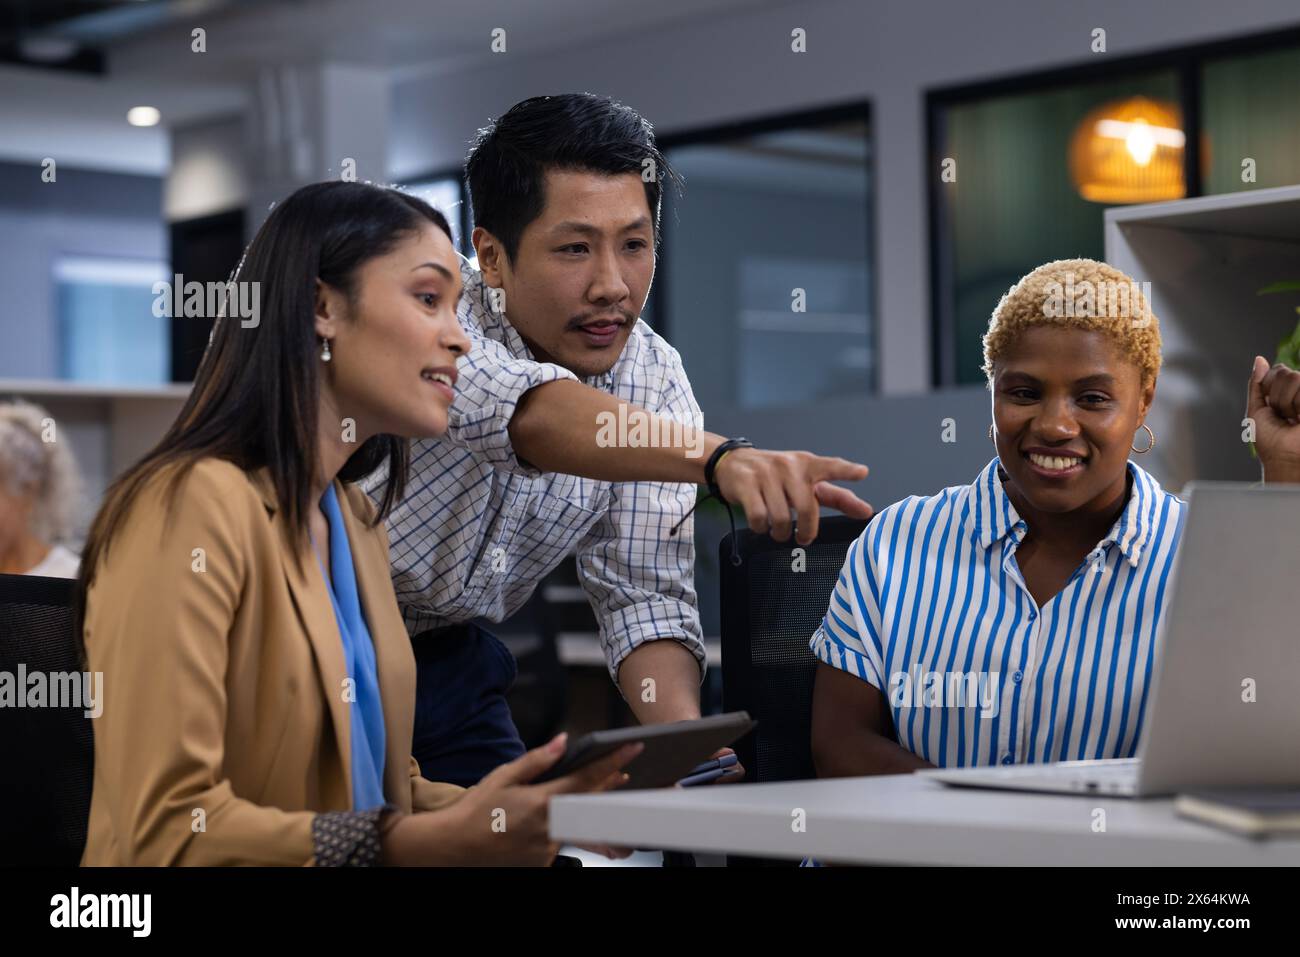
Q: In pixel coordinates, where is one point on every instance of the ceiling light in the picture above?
(143, 116)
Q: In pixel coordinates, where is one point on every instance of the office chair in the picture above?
(770, 609)
(47, 753)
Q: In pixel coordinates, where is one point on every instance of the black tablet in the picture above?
(671, 750)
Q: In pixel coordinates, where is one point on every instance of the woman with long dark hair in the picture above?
(235, 589)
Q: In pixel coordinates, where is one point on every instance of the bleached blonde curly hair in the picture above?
(1078, 294)
(45, 472)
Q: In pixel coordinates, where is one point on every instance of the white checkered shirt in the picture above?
(478, 529)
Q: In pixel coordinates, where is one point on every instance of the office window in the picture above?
(1027, 189)
(108, 333)
(766, 285)
(445, 194)
(1250, 110)
(1039, 159)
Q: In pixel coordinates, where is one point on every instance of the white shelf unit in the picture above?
(109, 427)
(1206, 260)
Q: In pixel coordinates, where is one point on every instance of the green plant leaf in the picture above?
(1290, 285)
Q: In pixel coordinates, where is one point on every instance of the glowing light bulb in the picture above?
(143, 116)
(1129, 151)
(1139, 141)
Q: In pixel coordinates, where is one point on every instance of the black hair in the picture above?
(506, 166)
(255, 397)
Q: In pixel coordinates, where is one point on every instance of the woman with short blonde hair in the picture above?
(1014, 619)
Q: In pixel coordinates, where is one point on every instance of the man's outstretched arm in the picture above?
(555, 428)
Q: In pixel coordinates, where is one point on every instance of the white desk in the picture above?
(905, 819)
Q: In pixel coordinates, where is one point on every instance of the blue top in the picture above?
(368, 736)
(932, 609)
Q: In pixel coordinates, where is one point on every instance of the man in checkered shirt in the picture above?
(566, 197)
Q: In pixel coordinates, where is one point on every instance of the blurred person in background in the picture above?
(39, 492)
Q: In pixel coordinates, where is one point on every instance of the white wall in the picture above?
(83, 212)
(79, 120)
(209, 170)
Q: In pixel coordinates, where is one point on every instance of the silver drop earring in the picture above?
(325, 354)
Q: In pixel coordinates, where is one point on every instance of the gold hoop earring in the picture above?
(1149, 447)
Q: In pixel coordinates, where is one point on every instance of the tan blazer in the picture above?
(224, 725)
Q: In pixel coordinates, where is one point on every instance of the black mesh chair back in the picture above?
(47, 753)
(772, 602)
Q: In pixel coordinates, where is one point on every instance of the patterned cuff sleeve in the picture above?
(347, 838)
(624, 630)
(487, 394)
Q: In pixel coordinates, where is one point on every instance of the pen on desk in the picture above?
(704, 777)
(709, 771)
(726, 761)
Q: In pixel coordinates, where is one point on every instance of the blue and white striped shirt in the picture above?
(478, 529)
(931, 608)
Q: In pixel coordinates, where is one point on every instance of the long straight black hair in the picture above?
(256, 393)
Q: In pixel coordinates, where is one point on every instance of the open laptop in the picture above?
(1233, 618)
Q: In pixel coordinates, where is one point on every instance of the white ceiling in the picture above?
(81, 119)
